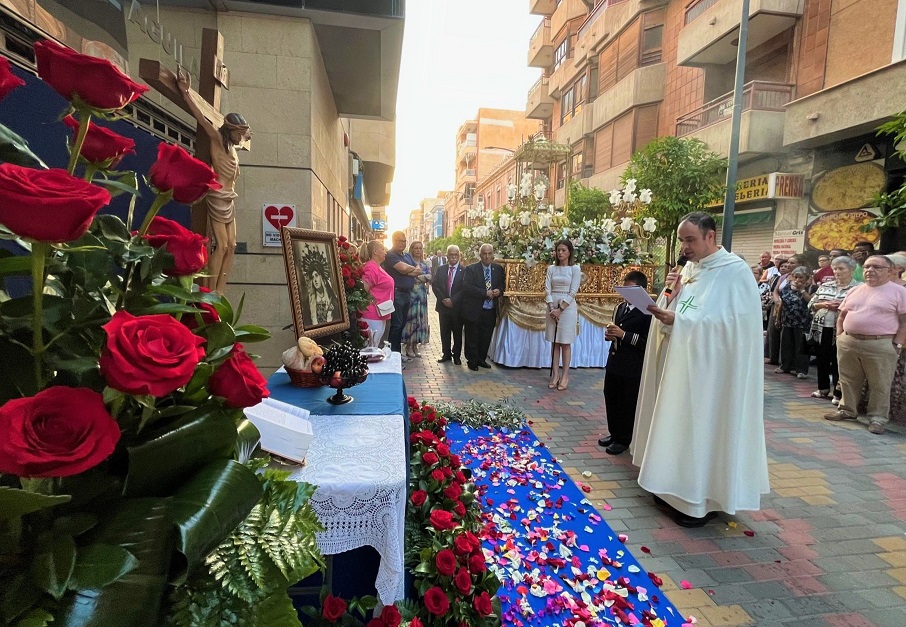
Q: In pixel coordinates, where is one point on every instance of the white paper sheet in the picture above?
(636, 296)
(284, 429)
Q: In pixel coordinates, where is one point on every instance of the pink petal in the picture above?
(685, 584)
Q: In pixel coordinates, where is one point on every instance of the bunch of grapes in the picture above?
(344, 363)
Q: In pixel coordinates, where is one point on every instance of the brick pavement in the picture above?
(829, 545)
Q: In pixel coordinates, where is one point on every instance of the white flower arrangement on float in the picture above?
(528, 228)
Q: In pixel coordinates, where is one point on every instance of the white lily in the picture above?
(525, 218)
(650, 225)
(467, 233)
(615, 196)
(629, 196)
(645, 196)
(626, 224)
(630, 185)
(609, 225)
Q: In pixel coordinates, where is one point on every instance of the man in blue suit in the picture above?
(447, 288)
(482, 286)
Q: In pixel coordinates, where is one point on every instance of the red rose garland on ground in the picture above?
(453, 580)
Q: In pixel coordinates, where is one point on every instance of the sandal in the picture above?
(821, 394)
(553, 384)
(564, 383)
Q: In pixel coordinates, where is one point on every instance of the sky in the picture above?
(457, 56)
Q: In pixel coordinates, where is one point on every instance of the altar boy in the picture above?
(628, 334)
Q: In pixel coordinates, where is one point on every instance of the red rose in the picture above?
(238, 381)
(375, 622)
(47, 205)
(415, 622)
(460, 477)
(473, 540)
(97, 82)
(463, 581)
(453, 491)
(461, 545)
(445, 562)
(437, 475)
(447, 472)
(344, 259)
(208, 313)
(149, 354)
(350, 283)
(362, 324)
(346, 270)
(189, 249)
(455, 461)
(442, 421)
(477, 564)
(459, 509)
(415, 417)
(101, 144)
(436, 601)
(443, 450)
(8, 80)
(58, 432)
(442, 520)
(482, 604)
(175, 169)
(418, 498)
(430, 458)
(334, 608)
(345, 245)
(390, 616)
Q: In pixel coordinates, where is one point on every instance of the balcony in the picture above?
(466, 175)
(830, 115)
(540, 105)
(567, 11)
(711, 28)
(542, 7)
(541, 48)
(576, 127)
(643, 85)
(608, 18)
(466, 149)
(761, 129)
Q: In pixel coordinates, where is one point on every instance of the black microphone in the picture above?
(677, 268)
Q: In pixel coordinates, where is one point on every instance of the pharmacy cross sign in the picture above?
(213, 77)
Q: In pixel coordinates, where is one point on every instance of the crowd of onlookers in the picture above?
(847, 318)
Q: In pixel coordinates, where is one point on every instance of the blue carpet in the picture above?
(560, 563)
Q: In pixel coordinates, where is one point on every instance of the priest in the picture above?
(699, 426)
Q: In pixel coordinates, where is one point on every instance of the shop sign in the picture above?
(781, 185)
(274, 216)
(788, 243)
(747, 190)
(378, 225)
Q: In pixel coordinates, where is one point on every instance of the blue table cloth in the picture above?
(380, 394)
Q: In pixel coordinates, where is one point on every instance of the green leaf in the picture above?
(168, 308)
(17, 595)
(162, 462)
(15, 503)
(220, 337)
(248, 440)
(14, 264)
(277, 610)
(116, 187)
(54, 564)
(174, 291)
(143, 528)
(37, 617)
(210, 505)
(75, 524)
(99, 565)
(14, 149)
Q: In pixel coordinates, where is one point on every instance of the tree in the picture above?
(586, 203)
(683, 176)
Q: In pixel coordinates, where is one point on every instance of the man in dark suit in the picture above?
(447, 288)
(482, 288)
(628, 335)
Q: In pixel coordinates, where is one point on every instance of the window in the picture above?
(573, 98)
(652, 41)
(561, 175)
(616, 142)
(577, 165)
(561, 52)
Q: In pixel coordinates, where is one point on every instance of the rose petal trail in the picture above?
(561, 565)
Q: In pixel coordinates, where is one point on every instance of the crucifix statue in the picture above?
(217, 139)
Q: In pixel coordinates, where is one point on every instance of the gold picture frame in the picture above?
(317, 294)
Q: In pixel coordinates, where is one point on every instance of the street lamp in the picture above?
(726, 237)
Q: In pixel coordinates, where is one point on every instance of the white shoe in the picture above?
(835, 402)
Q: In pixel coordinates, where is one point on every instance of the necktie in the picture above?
(488, 303)
(450, 280)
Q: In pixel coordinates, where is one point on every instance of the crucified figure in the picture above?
(220, 203)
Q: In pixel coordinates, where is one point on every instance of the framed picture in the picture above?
(315, 282)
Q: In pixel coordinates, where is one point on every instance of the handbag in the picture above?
(386, 308)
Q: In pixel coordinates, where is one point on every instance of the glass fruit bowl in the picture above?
(343, 368)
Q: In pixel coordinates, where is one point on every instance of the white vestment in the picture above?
(699, 427)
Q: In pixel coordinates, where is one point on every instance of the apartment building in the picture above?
(617, 74)
(414, 232)
(433, 216)
(481, 144)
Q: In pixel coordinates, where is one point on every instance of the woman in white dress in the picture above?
(560, 287)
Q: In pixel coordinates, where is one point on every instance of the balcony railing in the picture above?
(596, 13)
(697, 8)
(757, 96)
(467, 172)
(534, 88)
(468, 143)
(545, 23)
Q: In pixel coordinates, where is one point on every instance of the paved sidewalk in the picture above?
(829, 547)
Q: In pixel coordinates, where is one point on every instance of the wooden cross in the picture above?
(213, 77)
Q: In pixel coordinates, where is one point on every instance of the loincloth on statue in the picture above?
(221, 206)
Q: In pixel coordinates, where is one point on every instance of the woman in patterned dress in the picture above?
(416, 330)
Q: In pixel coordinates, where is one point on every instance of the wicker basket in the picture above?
(303, 378)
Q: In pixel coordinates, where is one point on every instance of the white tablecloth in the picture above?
(359, 466)
(516, 347)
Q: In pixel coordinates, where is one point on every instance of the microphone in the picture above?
(679, 266)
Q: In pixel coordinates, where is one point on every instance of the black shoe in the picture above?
(484, 364)
(691, 522)
(616, 448)
(444, 359)
(457, 361)
(660, 502)
(473, 367)
(605, 442)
